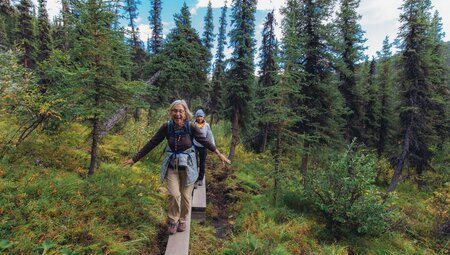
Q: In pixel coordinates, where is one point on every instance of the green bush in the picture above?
(345, 195)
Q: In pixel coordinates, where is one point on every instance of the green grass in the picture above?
(48, 203)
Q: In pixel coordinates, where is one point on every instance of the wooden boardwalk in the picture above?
(199, 203)
(178, 243)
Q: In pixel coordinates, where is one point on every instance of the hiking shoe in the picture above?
(172, 229)
(181, 226)
(200, 183)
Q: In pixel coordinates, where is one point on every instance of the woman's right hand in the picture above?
(128, 162)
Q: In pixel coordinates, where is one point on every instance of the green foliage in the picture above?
(156, 25)
(26, 35)
(179, 77)
(45, 40)
(208, 33)
(349, 46)
(50, 210)
(344, 193)
(217, 91)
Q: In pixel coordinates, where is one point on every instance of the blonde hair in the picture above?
(184, 104)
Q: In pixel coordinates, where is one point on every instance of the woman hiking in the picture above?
(200, 150)
(180, 165)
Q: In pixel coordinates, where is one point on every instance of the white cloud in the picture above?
(204, 4)
(53, 7)
(382, 19)
(144, 32)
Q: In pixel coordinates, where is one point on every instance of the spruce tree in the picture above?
(240, 86)
(439, 78)
(25, 34)
(216, 104)
(8, 20)
(132, 13)
(318, 100)
(369, 98)
(416, 113)
(155, 25)
(4, 40)
(267, 78)
(44, 35)
(96, 73)
(350, 51)
(65, 27)
(385, 96)
(208, 33)
(180, 78)
(291, 40)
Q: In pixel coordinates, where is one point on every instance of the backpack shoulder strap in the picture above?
(170, 129)
(189, 131)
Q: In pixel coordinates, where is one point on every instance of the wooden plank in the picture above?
(178, 243)
(199, 203)
(199, 198)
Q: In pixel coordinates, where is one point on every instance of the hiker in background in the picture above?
(200, 150)
(180, 165)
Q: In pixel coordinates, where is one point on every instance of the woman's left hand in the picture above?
(224, 159)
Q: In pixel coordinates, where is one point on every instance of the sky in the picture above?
(379, 18)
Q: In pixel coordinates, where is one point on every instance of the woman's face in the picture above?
(200, 119)
(178, 114)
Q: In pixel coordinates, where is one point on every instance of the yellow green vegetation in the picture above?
(47, 201)
(49, 206)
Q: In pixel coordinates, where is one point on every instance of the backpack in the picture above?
(186, 131)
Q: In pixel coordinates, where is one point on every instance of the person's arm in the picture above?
(210, 134)
(205, 141)
(156, 139)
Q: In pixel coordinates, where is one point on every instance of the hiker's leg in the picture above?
(186, 196)
(202, 152)
(173, 186)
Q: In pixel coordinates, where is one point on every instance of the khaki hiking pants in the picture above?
(180, 195)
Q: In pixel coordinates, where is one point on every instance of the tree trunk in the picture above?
(95, 137)
(401, 161)
(234, 133)
(137, 114)
(264, 139)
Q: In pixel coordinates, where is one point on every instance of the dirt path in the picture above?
(218, 196)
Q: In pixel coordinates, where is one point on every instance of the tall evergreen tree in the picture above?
(44, 35)
(385, 81)
(4, 40)
(96, 74)
(291, 40)
(416, 113)
(240, 86)
(267, 78)
(65, 28)
(131, 10)
(156, 25)
(26, 36)
(318, 100)
(132, 13)
(369, 98)
(350, 51)
(439, 79)
(179, 77)
(216, 103)
(8, 19)
(208, 33)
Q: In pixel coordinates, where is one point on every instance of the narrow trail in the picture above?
(219, 199)
(218, 196)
